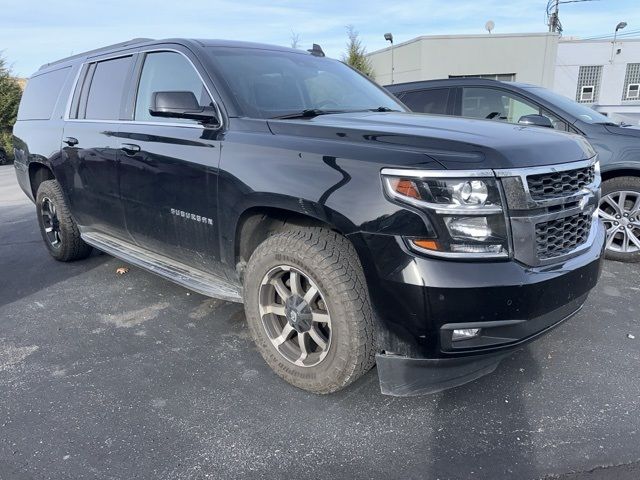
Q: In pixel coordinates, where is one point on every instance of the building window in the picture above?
(589, 84)
(503, 77)
(586, 93)
(631, 89)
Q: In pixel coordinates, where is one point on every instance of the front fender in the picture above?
(310, 179)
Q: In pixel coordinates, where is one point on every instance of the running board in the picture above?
(193, 279)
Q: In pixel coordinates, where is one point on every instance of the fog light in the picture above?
(465, 334)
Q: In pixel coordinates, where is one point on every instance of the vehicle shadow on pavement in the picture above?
(25, 264)
(467, 426)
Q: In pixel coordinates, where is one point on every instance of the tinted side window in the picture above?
(40, 96)
(107, 86)
(167, 72)
(427, 101)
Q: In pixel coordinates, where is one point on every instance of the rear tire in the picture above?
(58, 228)
(620, 212)
(326, 343)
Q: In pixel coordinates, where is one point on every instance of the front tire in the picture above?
(620, 212)
(308, 309)
(58, 228)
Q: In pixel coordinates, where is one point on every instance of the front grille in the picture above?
(559, 237)
(559, 184)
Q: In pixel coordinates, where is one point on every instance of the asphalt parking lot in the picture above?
(130, 376)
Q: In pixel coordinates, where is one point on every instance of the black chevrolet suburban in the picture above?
(354, 231)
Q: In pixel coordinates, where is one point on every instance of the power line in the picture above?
(609, 35)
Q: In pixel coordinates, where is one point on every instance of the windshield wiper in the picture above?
(314, 112)
(383, 109)
(309, 113)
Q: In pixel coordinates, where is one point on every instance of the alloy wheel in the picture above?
(620, 212)
(51, 223)
(294, 315)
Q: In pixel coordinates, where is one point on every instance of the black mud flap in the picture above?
(403, 376)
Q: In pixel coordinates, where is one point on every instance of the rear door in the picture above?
(91, 145)
(169, 166)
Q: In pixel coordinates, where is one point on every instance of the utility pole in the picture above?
(553, 18)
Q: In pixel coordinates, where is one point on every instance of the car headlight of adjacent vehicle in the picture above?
(465, 208)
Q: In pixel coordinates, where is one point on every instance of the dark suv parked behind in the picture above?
(618, 146)
(352, 230)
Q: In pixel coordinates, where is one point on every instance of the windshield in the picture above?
(584, 113)
(269, 84)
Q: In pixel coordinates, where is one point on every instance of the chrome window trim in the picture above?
(100, 58)
(134, 122)
(72, 92)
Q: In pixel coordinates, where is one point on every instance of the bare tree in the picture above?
(295, 39)
(356, 53)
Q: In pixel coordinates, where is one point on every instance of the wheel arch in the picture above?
(620, 172)
(257, 223)
(38, 173)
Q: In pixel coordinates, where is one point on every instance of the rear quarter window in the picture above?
(41, 94)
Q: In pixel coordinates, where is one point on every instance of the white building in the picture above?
(583, 70)
(528, 57)
(601, 74)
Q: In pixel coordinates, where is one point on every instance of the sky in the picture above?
(36, 32)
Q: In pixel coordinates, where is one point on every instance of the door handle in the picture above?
(130, 148)
(71, 141)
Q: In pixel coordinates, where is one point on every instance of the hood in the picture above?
(627, 131)
(456, 143)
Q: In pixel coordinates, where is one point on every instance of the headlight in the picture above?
(465, 208)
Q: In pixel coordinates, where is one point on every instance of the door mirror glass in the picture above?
(180, 105)
(537, 120)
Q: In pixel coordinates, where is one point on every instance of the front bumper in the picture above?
(403, 376)
(420, 301)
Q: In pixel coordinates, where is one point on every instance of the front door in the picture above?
(169, 168)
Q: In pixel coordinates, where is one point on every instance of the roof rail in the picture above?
(133, 41)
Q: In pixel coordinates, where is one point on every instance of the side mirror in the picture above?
(181, 105)
(536, 120)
